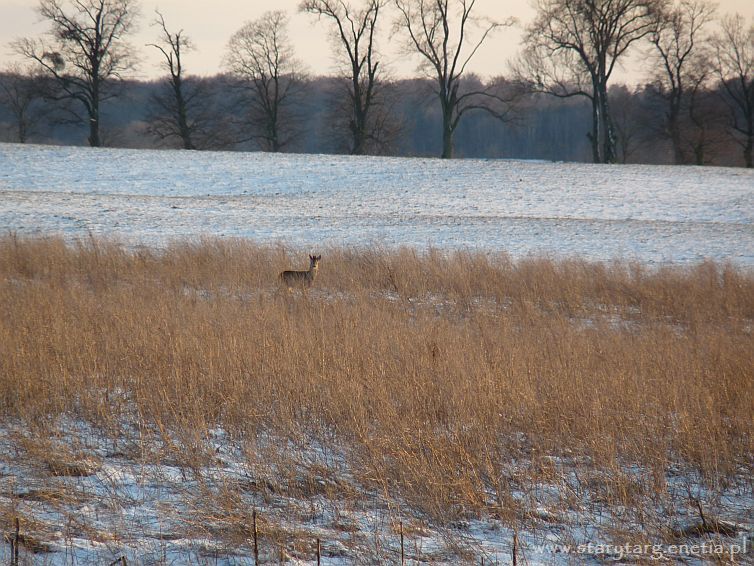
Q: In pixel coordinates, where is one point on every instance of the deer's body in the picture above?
(304, 279)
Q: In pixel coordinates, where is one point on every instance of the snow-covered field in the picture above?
(656, 214)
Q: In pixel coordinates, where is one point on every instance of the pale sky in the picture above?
(210, 25)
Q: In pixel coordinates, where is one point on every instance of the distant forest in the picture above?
(540, 127)
(558, 102)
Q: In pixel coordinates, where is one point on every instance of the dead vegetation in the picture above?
(450, 385)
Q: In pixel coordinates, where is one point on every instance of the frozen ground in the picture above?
(113, 504)
(657, 214)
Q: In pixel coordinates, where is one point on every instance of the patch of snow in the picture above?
(155, 513)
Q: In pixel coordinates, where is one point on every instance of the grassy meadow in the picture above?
(441, 387)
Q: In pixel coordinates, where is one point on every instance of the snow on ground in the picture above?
(165, 513)
(653, 213)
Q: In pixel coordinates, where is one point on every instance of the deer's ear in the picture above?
(311, 256)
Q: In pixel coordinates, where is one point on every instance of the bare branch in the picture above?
(572, 47)
(680, 48)
(86, 51)
(734, 67)
(445, 54)
(260, 55)
(355, 37)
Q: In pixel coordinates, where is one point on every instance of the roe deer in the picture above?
(303, 278)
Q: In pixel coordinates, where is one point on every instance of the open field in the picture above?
(152, 400)
(655, 214)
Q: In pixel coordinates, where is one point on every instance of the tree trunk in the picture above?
(358, 121)
(608, 135)
(699, 152)
(183, 127)
(447, 134)
(675, 139)
(22, 128)
(749, 113)
(94, 139)
(273, 133)
(674, 131)
(358, 124)
(185, 132)
(187, 144)
(594, 135)
(359, 138)
(749, 138)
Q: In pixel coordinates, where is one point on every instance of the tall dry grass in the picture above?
(450, 380)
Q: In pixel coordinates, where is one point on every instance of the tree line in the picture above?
(556, 99)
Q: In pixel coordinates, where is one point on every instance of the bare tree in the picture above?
(261, 55)
(679, 45)
(370, 125)
(734, 58)
(703, 127)
(572, 48)
(440, 31)
(22, 91)
(376, 133)
(169, 117)
(184, 110)
(626, 122)
(86, 51)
